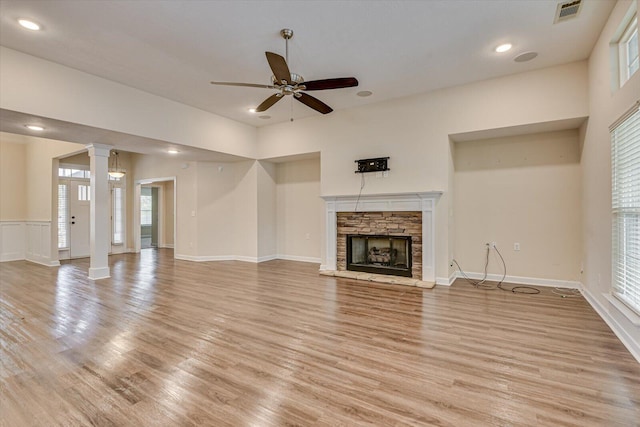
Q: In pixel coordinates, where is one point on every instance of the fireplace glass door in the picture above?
(379, 254)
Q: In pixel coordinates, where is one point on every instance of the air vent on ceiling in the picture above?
(567, 10)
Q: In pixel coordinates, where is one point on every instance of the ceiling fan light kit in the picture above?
(288, 83)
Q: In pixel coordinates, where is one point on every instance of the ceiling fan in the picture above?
(288, 83)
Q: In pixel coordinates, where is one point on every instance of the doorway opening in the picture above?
(149, 216)
(73, 209)
(154, 218)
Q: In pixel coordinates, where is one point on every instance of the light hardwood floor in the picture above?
(175, 343)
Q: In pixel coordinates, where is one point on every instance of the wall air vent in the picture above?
(567, 10)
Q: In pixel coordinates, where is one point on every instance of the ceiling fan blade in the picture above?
(314, 103)
(338, 83)
(245, 85)
(279, 67)
(267, 103)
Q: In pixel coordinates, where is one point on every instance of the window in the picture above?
(63, 214)
(146, 208)
(625, 168)
(628, 50)
(73, 173)
(84, 193)
(117, 221)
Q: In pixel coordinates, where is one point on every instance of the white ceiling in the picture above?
(394, 48)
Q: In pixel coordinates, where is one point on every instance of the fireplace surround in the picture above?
(422, 202)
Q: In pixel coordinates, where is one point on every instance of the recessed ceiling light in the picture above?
(524, 57)
(29, 25)
(364, 93)
(34, 127)
(172, 151)
(252, 110)
(503, 48)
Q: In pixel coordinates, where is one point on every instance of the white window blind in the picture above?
(146, 202)
(625, 156)
(117, 217)
(63, 210)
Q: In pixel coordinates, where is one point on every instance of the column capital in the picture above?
(99, 150)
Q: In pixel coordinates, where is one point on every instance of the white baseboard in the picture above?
(520, 280)
(166, 246)
(606, 314)
(246, 259)
(444, 281)
(198, 258)
(312, 260)
(98, 273)
(45, 262)
(15, 256)
(243, 258)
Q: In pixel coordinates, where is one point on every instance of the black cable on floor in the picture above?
(530, 290)
(519, 289)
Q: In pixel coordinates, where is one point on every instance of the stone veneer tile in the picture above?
(382, 223)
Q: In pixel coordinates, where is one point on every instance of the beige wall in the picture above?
(605, 107)
(141, 167)
(267, 210)
(215, 209)
(40, 175)
(43, 88)
(13, 197)
(246, 211)
(77, 159)
(523, 189)
(218, 205)
(299, 209)
(414, 132)
(168, 212)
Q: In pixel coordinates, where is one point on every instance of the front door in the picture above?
(79, 199)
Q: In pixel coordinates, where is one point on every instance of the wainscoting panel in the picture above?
(39, 243)
(12, 240)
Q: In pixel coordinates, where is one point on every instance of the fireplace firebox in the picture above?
(379, 254)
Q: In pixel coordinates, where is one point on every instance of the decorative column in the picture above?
(99, 226)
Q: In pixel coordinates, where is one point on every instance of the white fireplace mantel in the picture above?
(421, 202)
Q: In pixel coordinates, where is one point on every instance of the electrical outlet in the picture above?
(516, 246)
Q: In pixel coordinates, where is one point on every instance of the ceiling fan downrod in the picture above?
(286, 35)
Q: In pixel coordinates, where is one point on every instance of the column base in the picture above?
(99, 273)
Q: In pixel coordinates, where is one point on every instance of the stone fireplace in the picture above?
(380, 217)
(381, 236)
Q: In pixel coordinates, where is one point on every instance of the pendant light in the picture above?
(115, 170)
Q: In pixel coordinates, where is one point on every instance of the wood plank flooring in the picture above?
(175, 343)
